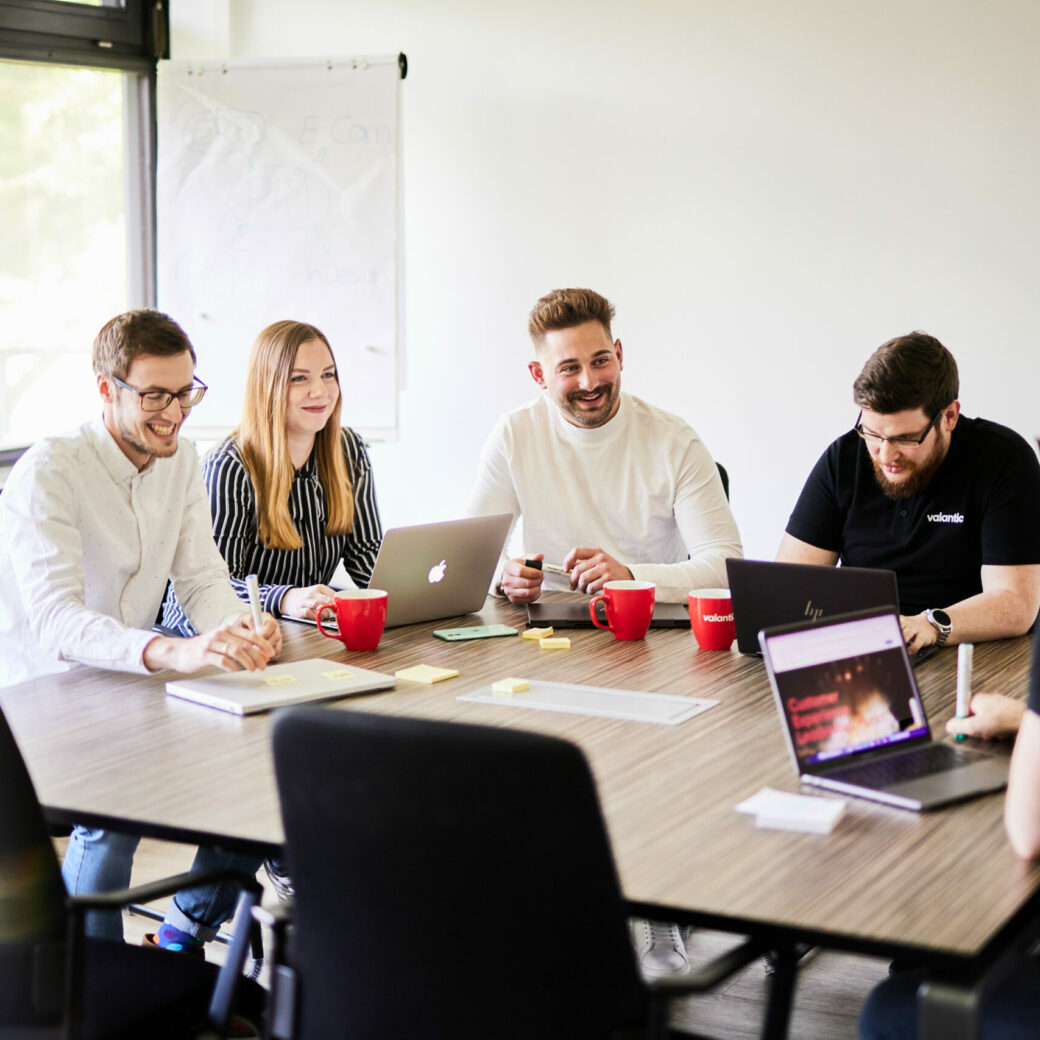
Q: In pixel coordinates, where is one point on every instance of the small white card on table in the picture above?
(782, 810)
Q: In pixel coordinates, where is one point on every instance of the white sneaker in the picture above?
(660, 947)
(280, 881)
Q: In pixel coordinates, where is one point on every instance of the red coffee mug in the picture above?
(711, 618)
(629, 606)
(360, 618)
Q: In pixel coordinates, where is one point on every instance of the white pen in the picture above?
(964, 661)
(253, 588)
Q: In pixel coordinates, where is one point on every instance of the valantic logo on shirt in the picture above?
(945, 518)
(717, 617)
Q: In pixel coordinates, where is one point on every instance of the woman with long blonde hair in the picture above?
(290, 491)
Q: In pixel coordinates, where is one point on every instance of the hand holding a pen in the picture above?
(235, 645)
(521, 580)
(993, 716)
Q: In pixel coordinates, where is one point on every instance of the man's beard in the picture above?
(611, 392)
(915, 481)
(145, 449)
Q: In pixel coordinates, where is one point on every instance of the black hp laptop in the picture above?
(766, 594)
(854, 719)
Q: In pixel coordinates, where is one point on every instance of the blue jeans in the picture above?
(100, 861)
(1009, 1011)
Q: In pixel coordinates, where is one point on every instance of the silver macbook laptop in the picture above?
(433, 571)
(767, 594)
(854, 719)
(280, 685)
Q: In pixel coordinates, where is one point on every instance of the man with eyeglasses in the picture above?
(92, 526)
(951, 504)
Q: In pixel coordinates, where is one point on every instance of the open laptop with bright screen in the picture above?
(854, 719)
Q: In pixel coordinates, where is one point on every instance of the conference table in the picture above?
(112, 749)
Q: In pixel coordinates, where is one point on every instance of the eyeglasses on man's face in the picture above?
(157, 400)
(902, 440)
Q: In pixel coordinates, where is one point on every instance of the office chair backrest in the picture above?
(724, 477)
(32, 896)
(450, 881)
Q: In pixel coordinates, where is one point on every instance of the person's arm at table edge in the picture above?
(793, 550)
(1006, 607)
(994, 716)
(1022, 805)
(40, 502)
(234, 645)
(706, 526)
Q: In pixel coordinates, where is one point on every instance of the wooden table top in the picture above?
(112, 748)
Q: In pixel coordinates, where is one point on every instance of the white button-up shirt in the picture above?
(87, 544)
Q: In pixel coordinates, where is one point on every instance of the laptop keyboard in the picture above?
(935, 758)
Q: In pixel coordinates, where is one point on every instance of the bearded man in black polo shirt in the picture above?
(951, 504)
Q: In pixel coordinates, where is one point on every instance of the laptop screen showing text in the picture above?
(846, 688)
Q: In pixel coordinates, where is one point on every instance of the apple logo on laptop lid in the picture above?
(437, 573)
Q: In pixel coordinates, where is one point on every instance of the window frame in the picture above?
(131, 38)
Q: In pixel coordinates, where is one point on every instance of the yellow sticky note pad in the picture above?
(278, 680)
(555, 643)
(537, 633)
(510, 685)
(339, 673)
(426, 673)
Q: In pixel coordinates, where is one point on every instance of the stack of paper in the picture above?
(782, 810)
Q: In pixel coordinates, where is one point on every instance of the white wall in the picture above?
(766, 191)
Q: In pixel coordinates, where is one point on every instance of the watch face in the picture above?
(942, 618)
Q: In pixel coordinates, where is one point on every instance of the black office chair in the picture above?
(54, 982)
(724, 476)
(453, 881)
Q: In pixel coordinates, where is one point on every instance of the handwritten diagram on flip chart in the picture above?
(277, 198)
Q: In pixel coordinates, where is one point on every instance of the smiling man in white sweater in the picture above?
(608, 487)
(603, 483)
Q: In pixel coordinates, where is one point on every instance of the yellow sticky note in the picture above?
(510, 685)
(278, 680)
(557, 643)
(339, 673)
(537, 633)
(426, 673)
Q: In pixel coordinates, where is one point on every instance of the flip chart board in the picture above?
(277, 197)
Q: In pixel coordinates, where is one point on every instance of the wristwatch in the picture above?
(941, 622)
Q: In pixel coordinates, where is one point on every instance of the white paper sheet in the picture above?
(661, 708)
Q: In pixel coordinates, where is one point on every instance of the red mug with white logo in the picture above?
(629, 606)
(360, 617)
(711, 618)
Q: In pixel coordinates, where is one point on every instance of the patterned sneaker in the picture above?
(660, 947)
(280, 881)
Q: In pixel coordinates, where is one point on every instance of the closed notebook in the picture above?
(278, 686)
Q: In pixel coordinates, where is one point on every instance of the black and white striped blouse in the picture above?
(232, 502)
